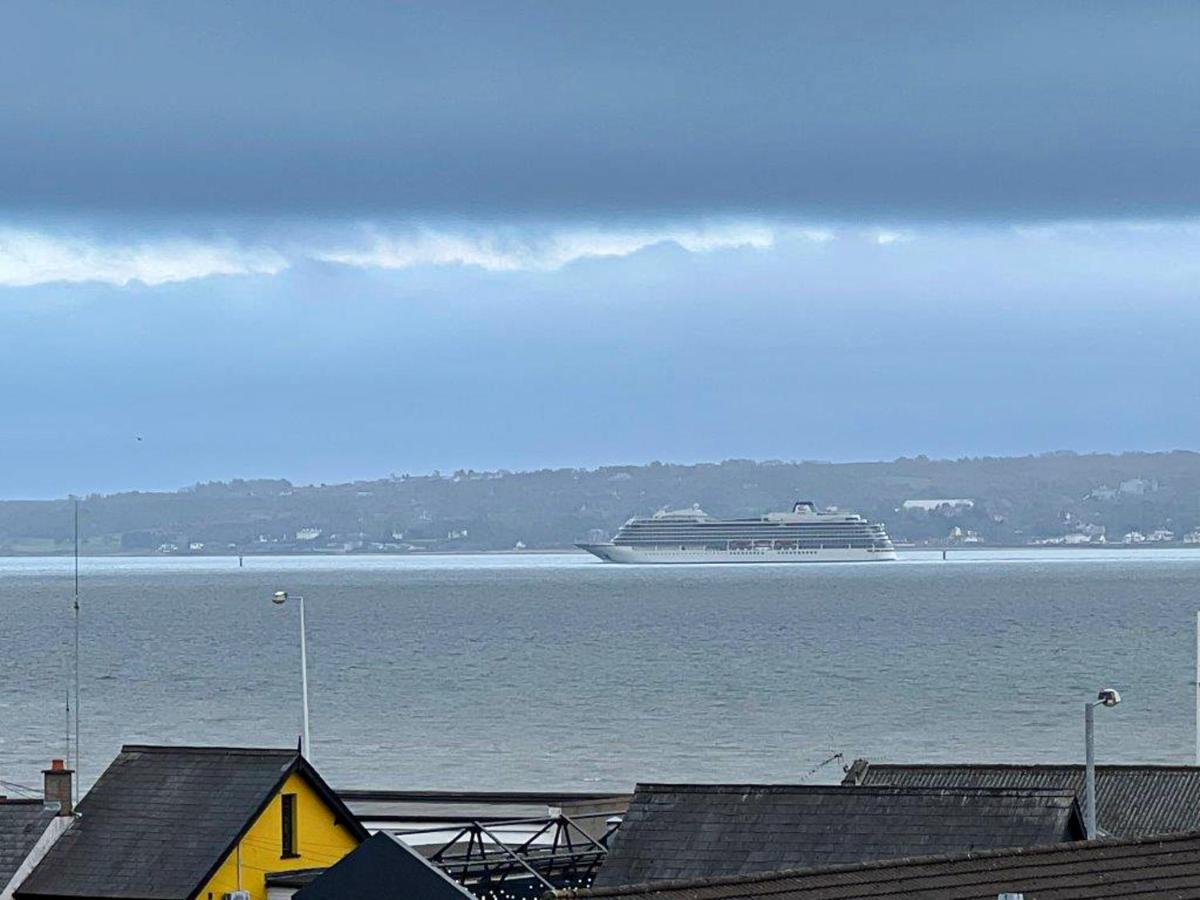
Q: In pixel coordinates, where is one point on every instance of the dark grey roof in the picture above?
(700, 831)
(383, 868)
(22, 823)
(1131, 801)
(1159, 867)
(160, 819)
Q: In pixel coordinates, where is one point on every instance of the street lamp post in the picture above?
(1107, 697)
(279, 598)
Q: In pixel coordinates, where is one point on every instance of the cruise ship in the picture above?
(805, 534)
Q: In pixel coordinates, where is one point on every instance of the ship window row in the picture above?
(659, 523)
(699, 539)
(676, 523)
(759, 545)
(668, 534)
(757, 529)
(763, 526)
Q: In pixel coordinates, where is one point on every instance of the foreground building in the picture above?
(23, 825)
(195, 823)
(1162, 867)
(1131, 801)
(384, 868)
(29, 828)
(690, 831)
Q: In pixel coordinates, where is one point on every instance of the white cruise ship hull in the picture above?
(625, 554)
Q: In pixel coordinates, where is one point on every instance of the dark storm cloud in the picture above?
(906, 110)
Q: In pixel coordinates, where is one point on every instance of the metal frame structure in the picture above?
(560, 853)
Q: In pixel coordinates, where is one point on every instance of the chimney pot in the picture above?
(56, 765)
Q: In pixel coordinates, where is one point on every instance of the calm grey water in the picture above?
(563, 672)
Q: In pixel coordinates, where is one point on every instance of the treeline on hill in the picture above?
(1016, 501)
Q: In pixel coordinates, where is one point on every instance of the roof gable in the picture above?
(1131, 801)
(701, 831)
(383, 868)
(160, 820)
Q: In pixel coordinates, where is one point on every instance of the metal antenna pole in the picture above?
(78, 779)
(1089, 714)
(1198, 688)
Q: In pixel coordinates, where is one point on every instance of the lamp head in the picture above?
(1108, 697)
(279, 597)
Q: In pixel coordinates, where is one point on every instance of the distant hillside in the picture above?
(1058, 496)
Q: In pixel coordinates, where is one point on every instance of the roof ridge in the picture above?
(1131, 767)
(186, 748)
(841, 789)
(898, 862)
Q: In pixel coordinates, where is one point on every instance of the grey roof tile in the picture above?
(700, 831)
(1167, 866)
(22, 823)
(1131, 801)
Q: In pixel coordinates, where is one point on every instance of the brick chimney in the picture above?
(57, 780)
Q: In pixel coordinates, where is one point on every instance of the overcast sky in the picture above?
(342, 240)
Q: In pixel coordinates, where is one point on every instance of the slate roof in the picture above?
(22, 823)
(1131, 801)
(383, 868)
(701, 831)
(1160, 867)
(158, 822)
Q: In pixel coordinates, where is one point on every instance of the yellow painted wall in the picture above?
(320, 843)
